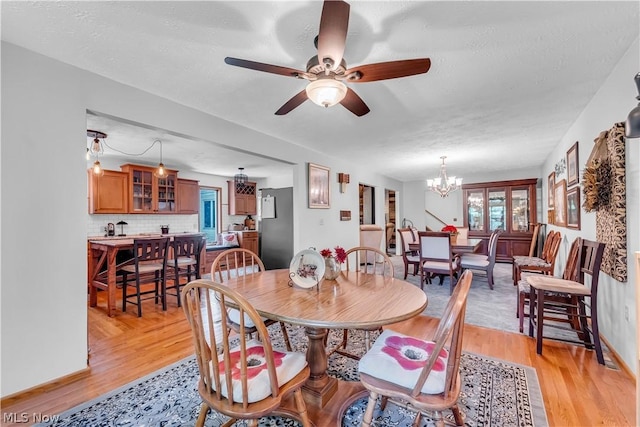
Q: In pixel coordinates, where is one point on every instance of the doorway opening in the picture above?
(390, 220)
(367, 204)
(210, 213)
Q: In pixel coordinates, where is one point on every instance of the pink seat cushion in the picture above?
(288, 365)
(399, 359)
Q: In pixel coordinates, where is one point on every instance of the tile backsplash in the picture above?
(142, 223)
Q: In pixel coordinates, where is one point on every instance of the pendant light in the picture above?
(160, 172)
(95, 150)
(97, 168)
(96, 147)
(240, 178)
(632, 126)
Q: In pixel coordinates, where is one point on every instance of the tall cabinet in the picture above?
(507, 205)
(242, 198)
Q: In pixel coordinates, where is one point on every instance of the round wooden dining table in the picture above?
(354, 300)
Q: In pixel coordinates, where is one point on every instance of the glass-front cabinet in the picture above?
(497, 209)
(148, 193)
(506, 205)
(475, 210)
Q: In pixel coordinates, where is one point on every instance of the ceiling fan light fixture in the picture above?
(632, 126)
(326, 92)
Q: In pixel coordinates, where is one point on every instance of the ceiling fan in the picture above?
(327, 71)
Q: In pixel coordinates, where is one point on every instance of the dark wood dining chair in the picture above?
(419, 373)
(570, 273)
(585, 308)
(240, 378)
(437, 258)
(409, 257)
(357, 261)
(238, 262)
(184, 261)
(544, 265)
(149, 264)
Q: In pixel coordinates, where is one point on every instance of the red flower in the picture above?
(256, 362)
(450, 229)
(340, 254)
(326, 253)
(412, 353)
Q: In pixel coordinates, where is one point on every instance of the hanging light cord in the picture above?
(135, 155)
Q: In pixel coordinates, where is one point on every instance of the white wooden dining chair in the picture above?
(238, 262)
(419, 373)
(240, 378)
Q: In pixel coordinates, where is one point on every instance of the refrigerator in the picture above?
(275, 227)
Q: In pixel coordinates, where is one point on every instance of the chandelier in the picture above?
(443, 185)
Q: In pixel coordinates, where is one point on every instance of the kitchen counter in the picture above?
(142, 235)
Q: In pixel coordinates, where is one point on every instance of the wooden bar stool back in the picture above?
(149, 264)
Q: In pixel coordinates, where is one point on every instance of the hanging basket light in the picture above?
(240, 178)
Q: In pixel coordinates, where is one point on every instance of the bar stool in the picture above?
(149, 256)
(185, 261)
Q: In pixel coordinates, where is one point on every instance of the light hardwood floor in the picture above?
(577, 391)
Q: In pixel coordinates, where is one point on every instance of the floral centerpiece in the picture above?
(332, 261)
(450, 229)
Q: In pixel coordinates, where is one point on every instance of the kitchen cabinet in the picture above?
(249, 240)
(149, 194)
(506, 205)
(242, 198)
(108, 193)
(188, 196)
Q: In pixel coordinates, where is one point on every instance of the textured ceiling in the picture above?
(512, 76)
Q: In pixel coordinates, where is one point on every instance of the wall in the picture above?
(610, 105)
(43, 181)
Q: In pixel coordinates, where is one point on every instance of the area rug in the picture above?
(495, 393)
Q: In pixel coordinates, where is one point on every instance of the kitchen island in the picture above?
(103, 264)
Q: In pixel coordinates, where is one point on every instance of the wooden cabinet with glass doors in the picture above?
(148, 193)
(508, 205)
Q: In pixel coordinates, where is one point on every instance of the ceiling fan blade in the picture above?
(293, 103)
(388, 70)
(354, 103)
(267, 68)
(332, 35)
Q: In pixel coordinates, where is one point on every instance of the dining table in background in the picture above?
(458, 246)
(354, 300)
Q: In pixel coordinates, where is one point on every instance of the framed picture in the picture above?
(560, 207)
(550, 216)
(573, 174)
(573, 208)
(318, 183)
(551, 184)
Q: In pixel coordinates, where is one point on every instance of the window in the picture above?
(210, 213)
